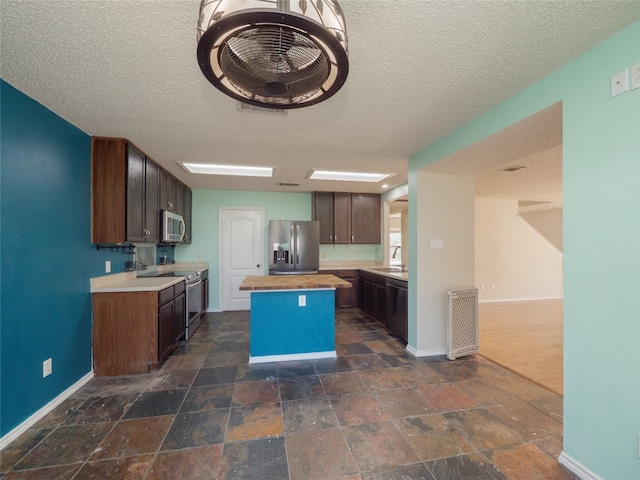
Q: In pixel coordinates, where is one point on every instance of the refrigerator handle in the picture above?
(292, 245)
(297, 233)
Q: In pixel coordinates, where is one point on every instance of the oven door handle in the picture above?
(189, 285)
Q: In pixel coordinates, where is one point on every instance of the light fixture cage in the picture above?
(274, 53)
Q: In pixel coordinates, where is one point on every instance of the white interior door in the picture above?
(241, 254)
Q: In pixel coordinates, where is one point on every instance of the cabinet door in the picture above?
(168, 187)
(347, 297)
(179, 320)
(108, 190)
(380, 302)
(187, 215)
(342, 212)
(365, 218)
(152, 201)
(165, 329)
(135, 195)
(178, 196)
(367, 296)
(323, 213)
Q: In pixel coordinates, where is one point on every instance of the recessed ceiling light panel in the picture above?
(219, 169)
(348, 176)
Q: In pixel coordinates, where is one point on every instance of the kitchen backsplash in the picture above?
(350, 252)
(145, 254)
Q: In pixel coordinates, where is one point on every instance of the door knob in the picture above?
(258, 266)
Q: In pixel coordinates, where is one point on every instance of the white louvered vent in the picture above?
(462, 322)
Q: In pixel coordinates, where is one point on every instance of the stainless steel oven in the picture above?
(193, 285)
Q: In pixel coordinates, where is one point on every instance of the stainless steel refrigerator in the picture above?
(294, 247)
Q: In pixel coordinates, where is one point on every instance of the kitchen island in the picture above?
(292, 316)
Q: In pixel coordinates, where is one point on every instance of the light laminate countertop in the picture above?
(376, 269)
(130, 282)
(292, 282)
(138, 284)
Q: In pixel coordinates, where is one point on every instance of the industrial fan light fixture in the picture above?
(274, 53)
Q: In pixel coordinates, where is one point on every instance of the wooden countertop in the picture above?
(292, 282)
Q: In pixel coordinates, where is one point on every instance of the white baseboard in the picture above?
(528, 299)
(291, 357)
(33, 419)
(426, 353)
(575, 467)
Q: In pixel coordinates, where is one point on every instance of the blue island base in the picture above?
(292, 325)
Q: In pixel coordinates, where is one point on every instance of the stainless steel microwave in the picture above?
(172, 227)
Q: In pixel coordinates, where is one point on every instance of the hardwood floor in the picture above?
(525, 337)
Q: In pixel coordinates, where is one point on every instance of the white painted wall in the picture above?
(445, 206)
(548, 223)
(511, 257)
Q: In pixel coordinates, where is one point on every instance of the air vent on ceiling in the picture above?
(247, 107)
(512, 168)
(284, 184)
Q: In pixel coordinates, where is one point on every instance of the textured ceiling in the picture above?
(418, 71)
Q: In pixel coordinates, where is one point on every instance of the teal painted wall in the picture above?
(277, 206)
(601, 183)
(46, 256)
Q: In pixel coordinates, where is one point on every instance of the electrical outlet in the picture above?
(302, 300)
(47, 367)
(107, 266)
(635, 76)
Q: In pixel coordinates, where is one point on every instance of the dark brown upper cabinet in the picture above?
(172, 193)
(333, 211)
(128, 190)
(365, 218)
(124, 194)
(347, 217)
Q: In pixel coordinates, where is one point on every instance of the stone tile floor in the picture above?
(375, 412)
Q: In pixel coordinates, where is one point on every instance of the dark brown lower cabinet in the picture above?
(367, 289)
(134, 332)
(346, 297)
(166, 314)
(396, 317)
(380, 296)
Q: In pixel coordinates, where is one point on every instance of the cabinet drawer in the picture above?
(178, 289)
(367, 276)
(346, 273)
(165, 295)
(381, 280)
(328, 272)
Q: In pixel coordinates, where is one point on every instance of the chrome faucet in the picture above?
(393, 255)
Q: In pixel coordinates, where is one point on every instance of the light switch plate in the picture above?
(635, 76)
(620, 82)
(435, 244)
